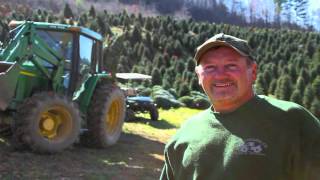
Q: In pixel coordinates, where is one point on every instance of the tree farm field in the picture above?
(138, 155)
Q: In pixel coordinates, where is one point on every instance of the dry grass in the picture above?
(137, 156)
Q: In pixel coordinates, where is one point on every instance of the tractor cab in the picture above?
(79, 47)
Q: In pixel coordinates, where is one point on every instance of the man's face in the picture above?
(226, 77)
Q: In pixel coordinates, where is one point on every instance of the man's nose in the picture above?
(220, 73)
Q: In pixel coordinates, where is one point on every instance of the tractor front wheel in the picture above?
(105, 116)
(130, 115)
(47, 123)
(154, 113)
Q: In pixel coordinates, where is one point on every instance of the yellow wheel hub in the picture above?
(48, 124)
(113, 116)
(55, 122)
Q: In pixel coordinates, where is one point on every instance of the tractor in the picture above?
(54, 85)
(137, 103)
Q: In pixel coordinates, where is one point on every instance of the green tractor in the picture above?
(54, 85)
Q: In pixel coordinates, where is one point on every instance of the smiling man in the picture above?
(242, 135)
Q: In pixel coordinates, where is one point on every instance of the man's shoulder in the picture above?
(279, 104)
(191, 128)
(285, 109)
(202, 118)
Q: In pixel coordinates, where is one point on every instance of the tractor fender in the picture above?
(90, 84)
(9, 73)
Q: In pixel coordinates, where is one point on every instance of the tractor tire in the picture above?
(154, 113)
(106, 116)
(46, 123)
(130, 115)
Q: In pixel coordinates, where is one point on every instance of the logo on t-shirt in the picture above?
(252, 147)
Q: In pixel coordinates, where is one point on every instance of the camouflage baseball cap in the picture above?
(240, 45)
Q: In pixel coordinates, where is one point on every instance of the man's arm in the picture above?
(311, 143)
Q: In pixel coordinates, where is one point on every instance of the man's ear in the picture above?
(196, 69)
(254, 67)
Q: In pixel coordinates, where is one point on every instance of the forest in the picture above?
(163, 47)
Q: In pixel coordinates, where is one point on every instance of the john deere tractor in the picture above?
(53, 85)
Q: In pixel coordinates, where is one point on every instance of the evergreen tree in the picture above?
(112, 55)
(316, 86)
(103, 27)
(179, 66)
(191, 65)
(92, 12)
(183, 90)
(296, 96)
(166, 83)
(308, 97)
(155, 41)
(136, 34)
(303, 73)
(194, 85)
(272, 87)
(315, 107)
(260, 87)
(67, 12)
(156, 77)
(267, 77)
(284, 88)
(300, 85)
(148, 25)
(177, 48)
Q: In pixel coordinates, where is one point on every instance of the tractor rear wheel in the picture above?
(105, 116)
(47, 123)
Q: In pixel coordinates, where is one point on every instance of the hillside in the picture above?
(289, 60)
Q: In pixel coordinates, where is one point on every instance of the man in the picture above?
(242, 136)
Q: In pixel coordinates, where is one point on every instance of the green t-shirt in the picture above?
(265, 139)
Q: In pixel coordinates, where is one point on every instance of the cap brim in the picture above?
(205, 47)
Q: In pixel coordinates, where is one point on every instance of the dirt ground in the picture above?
(134, 157)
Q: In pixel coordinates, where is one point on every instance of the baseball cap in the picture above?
(221, 39)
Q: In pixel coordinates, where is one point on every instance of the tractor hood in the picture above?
(140, 98)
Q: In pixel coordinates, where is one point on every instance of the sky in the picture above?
(261, 5)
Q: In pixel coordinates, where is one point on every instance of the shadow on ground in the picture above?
(132, 158)
(160, 124)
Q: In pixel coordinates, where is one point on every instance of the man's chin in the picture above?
(223, 99)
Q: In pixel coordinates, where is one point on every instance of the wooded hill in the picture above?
(289, 60)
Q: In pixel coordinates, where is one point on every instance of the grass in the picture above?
(138, 155)
(161, 130)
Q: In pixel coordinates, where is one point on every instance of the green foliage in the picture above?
(315, 107)
(289, 60)
(187, 100)
(183, 90)
(284, 87)
(67, 12)
(198, 102)
(260, 85)
(92, 11)
(165, 99)
(316, 86)
(296, 97)
(308, 97)
(156, 77)
(201, 103)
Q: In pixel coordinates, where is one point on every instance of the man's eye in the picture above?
(210, 68)
(232, 67)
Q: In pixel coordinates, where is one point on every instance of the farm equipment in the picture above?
(135, 102)
(53, 85)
